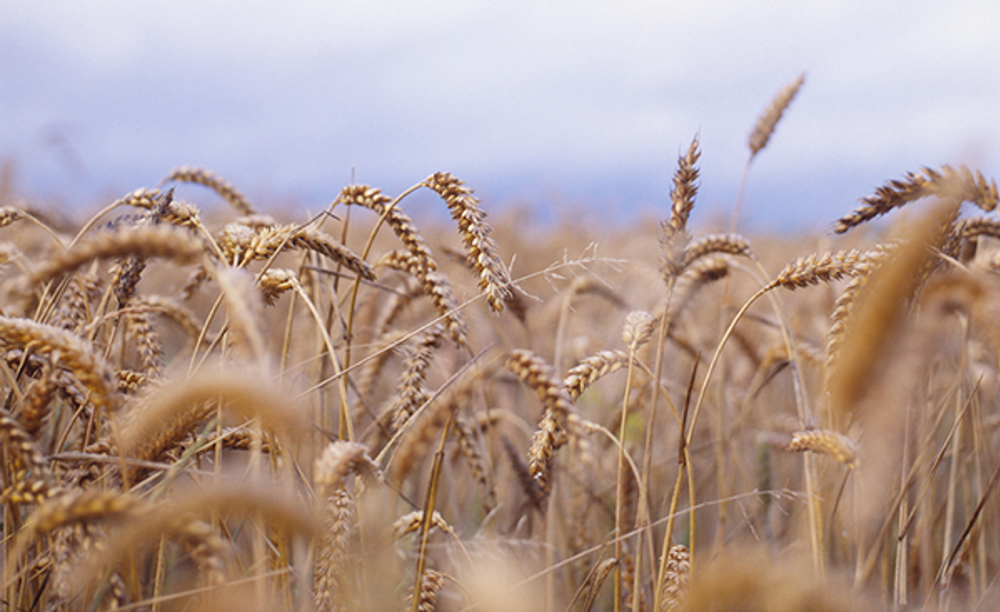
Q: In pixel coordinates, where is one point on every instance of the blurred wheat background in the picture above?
(269, 389)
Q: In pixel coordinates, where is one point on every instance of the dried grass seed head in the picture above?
(593, 368)
(481, 251)
(772, 115)
(948, 183)
(339, 460)
(675, 234)
(201, 176)
(73, 353)
(638, 328)
(165, 241)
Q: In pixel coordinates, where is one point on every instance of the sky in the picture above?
(554, 105)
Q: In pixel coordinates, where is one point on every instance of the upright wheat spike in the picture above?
(470, 444)
(675, 237)
(330, 591)
(676, 578)
(772, 115)
(37, 400)
(431, 585)
(139, 326)
(27, 464)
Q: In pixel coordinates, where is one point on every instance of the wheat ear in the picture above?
(977, 226)
(411, 393)
(149, 241)
(558, 405)
(430, 586)
(436, 286)
(338, 461)
(242, 244)
(821, 268)
(201, 176)
(676, 578)
(872, 323)
(772, 115)
(75, 508)
(36, 403)
(73, 352)
(675, 236)
(170, 210)
(374, 200)
(139, 326)
(27, 463)
(173, 411)
(592, 368)
(729, 244)
(178, 517)
(959, 184)
(480, 249)
(826, 442)
(702, 272)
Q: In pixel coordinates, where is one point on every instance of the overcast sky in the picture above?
(586, 103)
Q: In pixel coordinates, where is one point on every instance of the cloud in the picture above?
(587, 95)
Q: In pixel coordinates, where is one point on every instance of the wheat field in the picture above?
(359, 411)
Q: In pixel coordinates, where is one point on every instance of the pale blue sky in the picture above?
(568, 102)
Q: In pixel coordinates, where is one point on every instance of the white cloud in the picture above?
(521, 90)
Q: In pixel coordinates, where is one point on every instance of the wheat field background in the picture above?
(366, 411)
